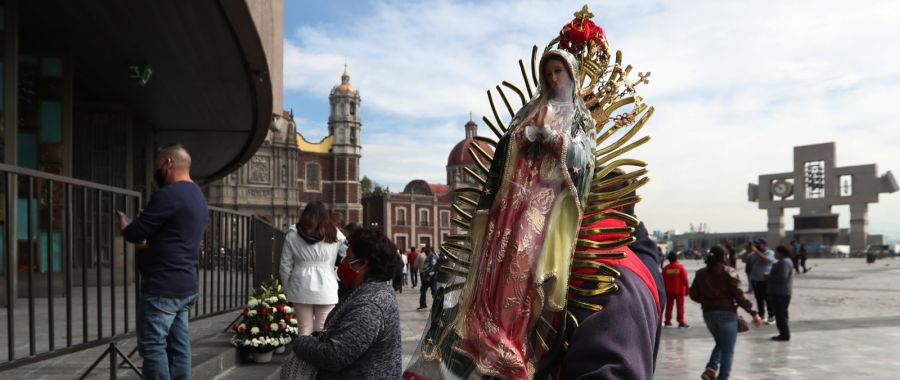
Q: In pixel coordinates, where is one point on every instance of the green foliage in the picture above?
(372, 188)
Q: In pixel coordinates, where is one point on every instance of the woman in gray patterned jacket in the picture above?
(362, 335)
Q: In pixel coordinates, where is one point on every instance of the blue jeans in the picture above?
(432, 284)
(723, 326)
(163, 336)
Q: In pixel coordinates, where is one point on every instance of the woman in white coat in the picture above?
(307, 267)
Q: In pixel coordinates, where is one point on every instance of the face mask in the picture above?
(159, 178)
(345, 273)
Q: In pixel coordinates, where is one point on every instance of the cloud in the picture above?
(735, 85)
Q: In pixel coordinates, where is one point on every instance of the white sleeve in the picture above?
(287, 259)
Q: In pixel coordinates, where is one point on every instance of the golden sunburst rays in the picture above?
(619, 112)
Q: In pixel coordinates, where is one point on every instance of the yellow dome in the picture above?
(346, 87)
(345, 83)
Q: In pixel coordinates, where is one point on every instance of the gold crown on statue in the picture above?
(604, 82)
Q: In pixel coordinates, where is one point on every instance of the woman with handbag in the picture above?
(717, 288)
(362, 335)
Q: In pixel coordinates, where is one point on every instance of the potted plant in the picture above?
(266, 324)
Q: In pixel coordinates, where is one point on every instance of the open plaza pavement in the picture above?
(845, 323)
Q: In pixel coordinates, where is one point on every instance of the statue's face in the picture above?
(557, 77)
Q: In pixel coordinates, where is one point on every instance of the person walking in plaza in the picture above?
(173, 223)
(362, 339)
(676, 279)
(781, 280)
(732, 254)
(717, 288)
(427, 262)
(307, 266)
(405, 259)
(745, 256)
(397, 281)
(761, 259)
(413, 267)
(801, 258)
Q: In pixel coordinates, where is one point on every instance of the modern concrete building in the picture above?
(815, 185)
(702, 241)
(89, 91)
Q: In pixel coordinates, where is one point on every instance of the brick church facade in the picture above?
(288, 171)
(328, 171)
(421, 214)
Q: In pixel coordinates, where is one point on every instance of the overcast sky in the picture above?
(736, 86)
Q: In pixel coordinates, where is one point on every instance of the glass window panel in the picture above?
(814, 173)
(28, 150)
(51, 121)
(51, 67)
(846, 183)
(22, 221)
(2, 87)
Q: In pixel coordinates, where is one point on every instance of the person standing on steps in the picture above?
(174, 223)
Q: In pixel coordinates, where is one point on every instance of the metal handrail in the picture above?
(238, 251)
(67, 180)
(70, 230)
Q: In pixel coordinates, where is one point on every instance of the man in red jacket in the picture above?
(413, 268)
(676, 279)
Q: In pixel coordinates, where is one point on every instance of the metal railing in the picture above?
(66, 274)
(68, 255)
(238, 251)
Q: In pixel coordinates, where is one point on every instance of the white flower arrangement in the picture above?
(268, 320)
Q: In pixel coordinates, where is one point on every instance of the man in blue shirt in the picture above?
(173, 224)
(760, 260)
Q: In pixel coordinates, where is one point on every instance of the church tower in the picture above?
(345, 125)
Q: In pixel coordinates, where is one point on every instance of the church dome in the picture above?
(345, 85)
(460, 153)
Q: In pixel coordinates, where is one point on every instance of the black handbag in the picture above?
(295, 369)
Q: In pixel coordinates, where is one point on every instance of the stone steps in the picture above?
(256, 371)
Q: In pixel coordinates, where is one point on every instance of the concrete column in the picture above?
(859, 226)
(437, 221)
(776, 226)
(11, 145)
(413, 213)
